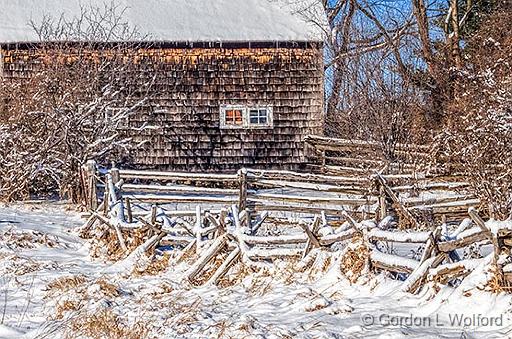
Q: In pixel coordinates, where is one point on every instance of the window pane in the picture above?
(230, 114)
(258, 116)
(234, 117)
(238, 117)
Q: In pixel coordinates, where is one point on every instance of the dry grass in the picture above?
(307, 262)
(105, 244)
(355, 260)
(66, 283)
(498, 284)
(235, 275)
(108, 289)
(19, 265)
(288, 271)
(104, 324)
(23, 239)
(157, 265)
(103, 241)
(326, 264)
(66, 306)
(316, 305)
(136, 238)
(261, 283)
(210, 269)
(444, 279)
(162, 290)
(316, 264)
(337, 295)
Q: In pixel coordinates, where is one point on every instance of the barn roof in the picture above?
(171, 20)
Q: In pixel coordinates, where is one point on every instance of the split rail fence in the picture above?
(259, 215)
(415, 200)
(231, 234)
(366, 157)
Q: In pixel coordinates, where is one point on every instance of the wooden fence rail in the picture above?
(232, 232)
(408, 196)
(254, 190)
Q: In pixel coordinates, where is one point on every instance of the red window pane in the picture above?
(234, 117)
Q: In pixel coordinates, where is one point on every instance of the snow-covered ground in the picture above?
(50, 286)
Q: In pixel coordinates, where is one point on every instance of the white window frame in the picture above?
(225, 108)
(246, 122)
(270, 120)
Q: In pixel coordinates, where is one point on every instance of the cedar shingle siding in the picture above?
(192, 84)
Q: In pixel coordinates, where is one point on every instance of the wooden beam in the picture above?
(340, 188)
(321, 140)
(224, 268)
(156, 198)
(355, 201)
(263, 206)
(392, 263)
(155, 175)
(473, 214)
(377, 234)
(177, 189)
(254, 174)
(242, 196)
(337, 237)
(206, 256)
(419, 275)
(464, 239)
(309, 233)
(408, 216)
(275, 240)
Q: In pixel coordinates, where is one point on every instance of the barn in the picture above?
(238, 83)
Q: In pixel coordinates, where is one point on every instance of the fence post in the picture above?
(129, 210)
(91, 184)
(242, 180)
(382, 203)
(198, 230)
(116, 177)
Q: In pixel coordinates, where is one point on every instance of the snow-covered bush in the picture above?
(478, 138)
(72, 108)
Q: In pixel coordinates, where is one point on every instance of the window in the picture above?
(234, 117)
(245, 117)
(258, 116)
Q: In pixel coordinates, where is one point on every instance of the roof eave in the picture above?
(173, 44)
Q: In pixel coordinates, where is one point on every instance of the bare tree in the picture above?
(396, 48)
(369, 71)
(476, 142)
(74, 106)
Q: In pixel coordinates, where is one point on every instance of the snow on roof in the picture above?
(172, 20)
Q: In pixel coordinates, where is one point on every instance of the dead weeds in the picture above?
(104, 324)
(65, 284)
(157, 265)
(355, 260)
(66, 306)
(27, 239)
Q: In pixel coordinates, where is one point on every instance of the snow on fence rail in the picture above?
(232, 232)
(440, 261)
(412, 198)
(361, 156)
(255, 190)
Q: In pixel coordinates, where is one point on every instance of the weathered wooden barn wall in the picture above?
(190, 85)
